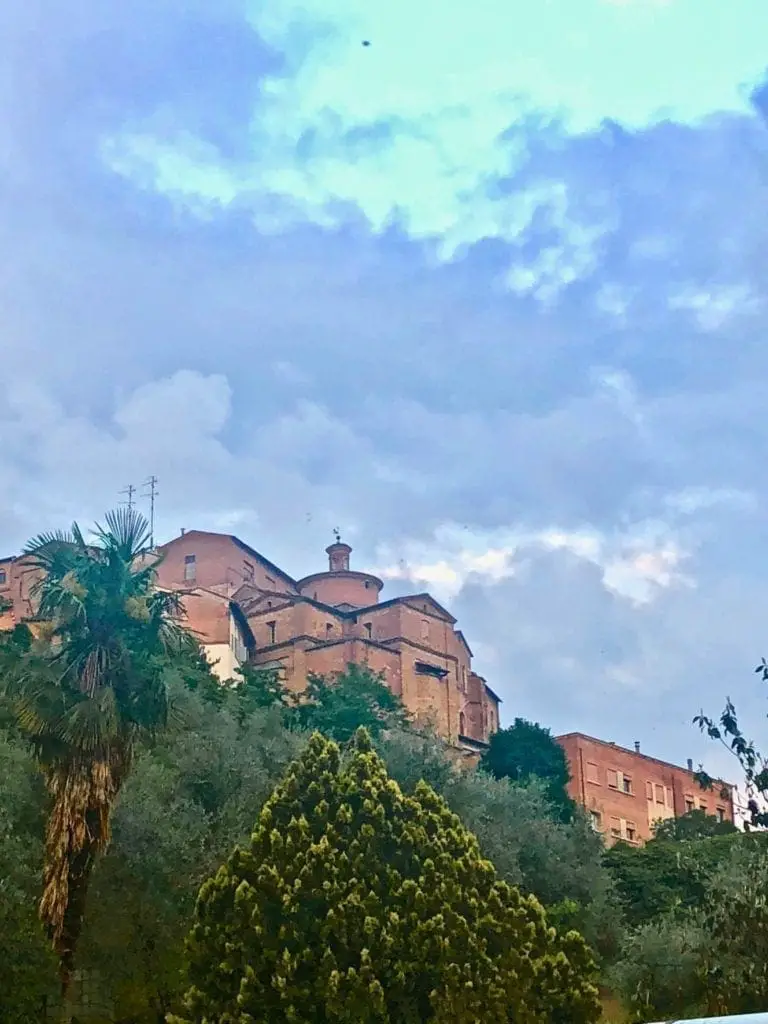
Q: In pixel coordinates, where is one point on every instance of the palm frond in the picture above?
(126, 531)
(44, 541)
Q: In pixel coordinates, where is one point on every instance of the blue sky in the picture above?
(488, 294)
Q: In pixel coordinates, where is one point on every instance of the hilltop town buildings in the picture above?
(244, 608)
(626, 792)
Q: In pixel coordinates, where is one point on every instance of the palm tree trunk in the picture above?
(78, 831)
(78, 879)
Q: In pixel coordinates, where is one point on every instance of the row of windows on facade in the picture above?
(654, 793)
(622, 828)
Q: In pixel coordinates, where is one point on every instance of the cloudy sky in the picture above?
(487, 293)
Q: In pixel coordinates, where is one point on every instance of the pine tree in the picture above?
(355, 903)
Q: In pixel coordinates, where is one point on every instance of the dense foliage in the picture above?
(526, 751)
(87, 694)
(356, 902)
(675, 924)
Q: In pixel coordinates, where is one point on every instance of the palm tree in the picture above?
(88, 694)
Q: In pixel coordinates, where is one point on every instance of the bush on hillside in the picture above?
(357, 903)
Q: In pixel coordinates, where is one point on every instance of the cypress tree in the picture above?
(357, 904)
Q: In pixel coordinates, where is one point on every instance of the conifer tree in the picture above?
(356, 904)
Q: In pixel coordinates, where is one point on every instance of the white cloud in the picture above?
(715, 307)
(636, 564)
(421, 126)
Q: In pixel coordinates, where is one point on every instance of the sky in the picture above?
(482, 285)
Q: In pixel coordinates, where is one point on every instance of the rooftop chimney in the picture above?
(183, 531)
(637, 746)
(690, 764)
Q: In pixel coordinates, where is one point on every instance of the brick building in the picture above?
(625, 792)
(244, 607)
(17, 578)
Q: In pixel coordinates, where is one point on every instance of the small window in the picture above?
(424, 629)
(721, 814)
(3, 577)
(616, 828)
(612, 778)
(626, 784)
(689, 805)
(593, 773)
(190, 567)
(271, 632)
(649, 791)
(248, 571)
(369, 630)
(595, 820)
(702, 806)
(659, 794)
(462, 724)
(631, 832)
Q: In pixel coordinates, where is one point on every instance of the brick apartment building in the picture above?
(244, 608)
(626, 792)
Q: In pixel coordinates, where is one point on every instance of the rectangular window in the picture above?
(702, 806)
(616, 828)
(593, 773)
(689, 804)
(190, 567)
(271, 632)
(659, 794)
(631, 832)
(248, 572)
(594, 817)
(720, 814)
(612, 778)
(649, 791)
(3, 577)
(670, 801)
(626, 784)
(368, 630)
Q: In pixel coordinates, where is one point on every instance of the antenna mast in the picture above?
(129, 491)
(151, 493)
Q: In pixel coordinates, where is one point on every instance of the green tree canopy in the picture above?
(340, 704)
(526, 750)
(696, 824)
(357, 903)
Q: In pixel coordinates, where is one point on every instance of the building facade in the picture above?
(245, 608)
(626, 792)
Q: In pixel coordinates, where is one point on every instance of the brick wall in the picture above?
(219, 563)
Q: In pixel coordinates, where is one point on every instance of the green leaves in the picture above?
(526, 751)
(340, 705)
(356, 902)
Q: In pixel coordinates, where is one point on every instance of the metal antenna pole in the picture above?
(152, 493)
(129, 491)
